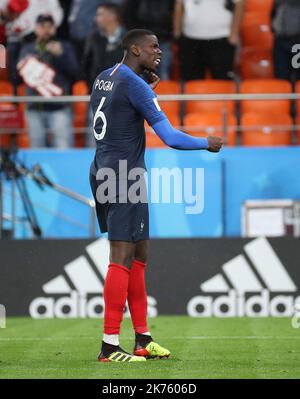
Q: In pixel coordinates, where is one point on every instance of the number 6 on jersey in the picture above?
(100, 114)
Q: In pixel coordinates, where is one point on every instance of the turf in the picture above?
(201, 348)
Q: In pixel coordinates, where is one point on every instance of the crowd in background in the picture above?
(75, 40)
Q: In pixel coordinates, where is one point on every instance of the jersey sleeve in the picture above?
(144, 100)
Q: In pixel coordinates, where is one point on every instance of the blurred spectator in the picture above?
(63, 28)
(155, 15)
(286, 27)
(103, 47)
(82, 21)
(21, 30)
(48, 67)
(209, 33)
(9, 11)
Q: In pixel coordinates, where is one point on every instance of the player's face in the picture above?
(150, 55)
(45, 31)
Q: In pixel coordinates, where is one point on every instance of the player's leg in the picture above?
(116, 282)
(137, 302)
(115, 295)
(137, 297)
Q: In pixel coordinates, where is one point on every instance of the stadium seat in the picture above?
(169, 87)
(256, 63)
(209, 87)
(256, 31)
(297, 90)
(270, 129)
(298, 130)
(6, 88)
(259, 6)
(3, 71)
(80, 110)
(260, 86)
(23, 139)
(205, 124)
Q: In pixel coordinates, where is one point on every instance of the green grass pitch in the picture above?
(201, 348)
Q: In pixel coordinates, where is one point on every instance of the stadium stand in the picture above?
(23, 138)
(80, 110)
(259, 6)
(256, 63)
(203, 124)
(258, 86)
(270, 129)
(256, 31)
(209, 87)
(170, 108)
(297, 90)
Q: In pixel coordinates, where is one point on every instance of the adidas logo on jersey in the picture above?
(77, 292)
(253, 285)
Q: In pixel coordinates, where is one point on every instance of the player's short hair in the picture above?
(135, 36)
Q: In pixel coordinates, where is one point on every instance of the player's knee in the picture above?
(141, 251)
(122, 260)
(122, 255)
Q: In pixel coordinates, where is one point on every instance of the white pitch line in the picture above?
(200, 337)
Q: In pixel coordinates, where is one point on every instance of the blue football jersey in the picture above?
(120, 102)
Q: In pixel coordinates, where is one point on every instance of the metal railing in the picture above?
(162, 97)
(236, 97)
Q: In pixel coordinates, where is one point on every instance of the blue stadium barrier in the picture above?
(230, 178)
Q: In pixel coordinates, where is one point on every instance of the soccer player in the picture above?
(121, 100)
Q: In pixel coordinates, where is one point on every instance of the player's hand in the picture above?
(214, 143)
(152, 78)
(55, 48)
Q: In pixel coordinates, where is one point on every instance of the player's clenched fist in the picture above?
(214, 143)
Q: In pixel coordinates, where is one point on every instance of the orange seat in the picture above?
(256, 31)
(80, 112)
(297, 90)
(209, 87)
(258, 86)
(169, 87)
(298, 130)
(205, 124)
(259, 6)
(3, 70)
(6, 89)
(256, 63)
(23, 138)
(270, 129)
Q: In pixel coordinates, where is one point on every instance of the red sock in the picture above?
(115, 295)
(137, 297)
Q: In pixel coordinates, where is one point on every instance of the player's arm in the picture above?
(181, 141)
(145, 101)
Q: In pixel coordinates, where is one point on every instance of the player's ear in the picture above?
(135, 50)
